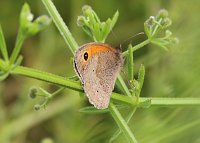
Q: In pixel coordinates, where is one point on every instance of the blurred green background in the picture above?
(168, 74)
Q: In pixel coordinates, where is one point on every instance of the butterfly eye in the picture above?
(85, 56)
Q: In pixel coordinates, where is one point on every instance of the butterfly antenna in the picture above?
(141, 33)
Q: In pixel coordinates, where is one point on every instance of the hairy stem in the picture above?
(122, 123)
(136, 47)
(64, 31)
(59, 80)
(17, 48)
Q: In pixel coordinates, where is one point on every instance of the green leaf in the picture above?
(93, 110)
(25, 18)
(123, 84)
(92, 25)
(3, 48)
(141, 76)
(130, 63)
(159, 44)
(146, 30)
(81, 94)
(114, 20)
(104, 30)
(3, 76)
(87, 31)
(19, 60)
(97, 32)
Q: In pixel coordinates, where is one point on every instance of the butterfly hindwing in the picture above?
(99, 77)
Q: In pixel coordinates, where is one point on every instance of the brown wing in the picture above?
(99, 77)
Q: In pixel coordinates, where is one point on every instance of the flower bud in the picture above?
(80, 21)
(150, 21)
(37, 107)
(29, 27)
(175, 41)
(162, 14)
(33, 92)
(86, 9)
(168, 33)
(47, 140)
(166, 22)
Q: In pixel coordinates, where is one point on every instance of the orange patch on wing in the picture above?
(97, 48)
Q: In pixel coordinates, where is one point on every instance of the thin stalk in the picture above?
(119, 77)
(57, 92)
(156, 27)
(64, 31)
(118, 131)
(172, 102)
(48, 77)
(18, 45)
(50, 96)
(136, 47)
(122, 123)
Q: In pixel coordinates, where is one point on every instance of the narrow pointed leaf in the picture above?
(3, 48)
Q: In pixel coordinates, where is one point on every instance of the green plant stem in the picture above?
(136, 47)
(124, 85)
(118, 131)
(122, 123)
(44, 76)
(58, 80)
(64, 31)
(20, 39)
(50, 97)
(172, 102)
(156, 28)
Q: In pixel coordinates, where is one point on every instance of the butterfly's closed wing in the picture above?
(98, 71)
(99, 77)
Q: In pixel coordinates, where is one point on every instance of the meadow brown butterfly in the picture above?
(97, 66)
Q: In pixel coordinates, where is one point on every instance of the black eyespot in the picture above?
(85, 56)
(97, 91)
